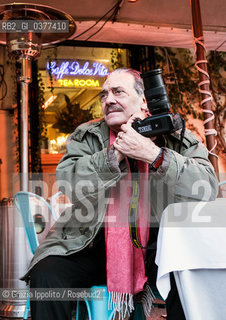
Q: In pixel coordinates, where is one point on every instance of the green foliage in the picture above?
(217, 68)
(71, 117)
(181, 78)
(116, 59)
(41, 101)
(50, 58)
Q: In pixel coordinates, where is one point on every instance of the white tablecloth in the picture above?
(192, 244)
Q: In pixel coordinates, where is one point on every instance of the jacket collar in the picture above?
(98, 128)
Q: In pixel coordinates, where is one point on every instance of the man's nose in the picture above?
(110, 98)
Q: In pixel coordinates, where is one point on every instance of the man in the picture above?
(74, 253)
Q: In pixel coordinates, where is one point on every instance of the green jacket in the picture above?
(86, 174)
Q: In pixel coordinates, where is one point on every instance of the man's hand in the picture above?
(137, 116)
(119, 156)
(132, 144)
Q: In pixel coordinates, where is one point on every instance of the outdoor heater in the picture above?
(38, 20)
(24, 45)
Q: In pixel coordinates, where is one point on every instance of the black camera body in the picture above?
(162, 120)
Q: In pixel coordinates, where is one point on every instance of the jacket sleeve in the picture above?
(85, 172)
(185, 176)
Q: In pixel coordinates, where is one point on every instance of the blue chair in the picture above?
(22, 201)
(23, 204)
(96, 308)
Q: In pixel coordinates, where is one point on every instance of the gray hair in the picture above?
(138, 82)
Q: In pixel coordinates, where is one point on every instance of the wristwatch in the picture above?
(158, 161)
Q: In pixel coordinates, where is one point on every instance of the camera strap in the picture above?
(182, 134)
(134, 205)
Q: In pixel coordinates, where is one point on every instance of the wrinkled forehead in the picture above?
(122, 80)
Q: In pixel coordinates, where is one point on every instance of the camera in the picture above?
(162, 120)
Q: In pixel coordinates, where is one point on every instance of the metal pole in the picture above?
(25, 79)
(204, 77)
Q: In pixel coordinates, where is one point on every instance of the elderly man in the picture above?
(90, 244)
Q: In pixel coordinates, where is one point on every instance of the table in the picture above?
(192, 244)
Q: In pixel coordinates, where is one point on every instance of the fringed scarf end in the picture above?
(122, 303)
(147, 300)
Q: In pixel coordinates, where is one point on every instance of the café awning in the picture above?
(145, 22)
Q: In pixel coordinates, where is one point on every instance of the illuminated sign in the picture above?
(77, 73)
(76, 68)
(79, 83)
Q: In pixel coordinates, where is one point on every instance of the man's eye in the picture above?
(103, 96)
(118, 91)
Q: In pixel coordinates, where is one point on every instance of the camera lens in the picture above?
(152, 79)
(155, 92)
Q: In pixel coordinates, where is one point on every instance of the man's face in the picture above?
(119, 99)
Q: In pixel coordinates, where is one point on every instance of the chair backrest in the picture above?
(22, 201)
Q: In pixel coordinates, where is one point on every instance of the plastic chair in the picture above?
(97, 308)
(22, 202)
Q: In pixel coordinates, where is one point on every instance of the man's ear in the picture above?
(144, 107)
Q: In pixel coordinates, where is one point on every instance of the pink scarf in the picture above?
(125, 263)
